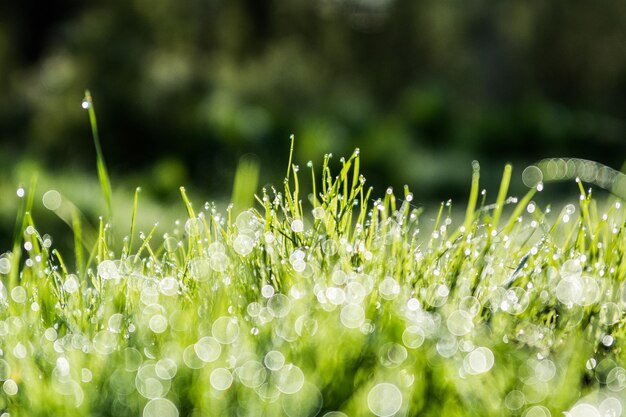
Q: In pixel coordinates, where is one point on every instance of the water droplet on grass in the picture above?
(105, 342)
(5, 266)
(243, 244)
(200, 269)
(5, 370)
(545, 370)
(170, 244)
(168, 286)
(297, 226)
(148, 383)
(389, 288)
(108, 270)
(267, 291)
(538, 411)
(571, 267)
(160, 407)
(86, 375)
(191, 358)
(392, 355)
(306, 326)
(531, 176)
(252, 374)
(384, 399)
(479, 361)
(219, 262)
(221, 379)
(51, 200)
(471, 305)
(352, 316)
(10, 387)
(115, 322)
(18, 294)
(274, 360)
(413, 337)
(20, 192)
(515, 301)
(607, 340)
(289, 379)
(158, 323)
(225, 330)
(208, 349)
(514, 400)
(194, 227)
(279, 305)
(569, 290)
(460, 323)
(616, 379)
(329, 247)
(335, 295)
(166, 368)
(71, 284)
(318, 213)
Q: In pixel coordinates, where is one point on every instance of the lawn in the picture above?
(342, 302)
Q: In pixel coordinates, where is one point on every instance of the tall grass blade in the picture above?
(245, 184)
(103, 176)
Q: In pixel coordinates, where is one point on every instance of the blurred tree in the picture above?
(427, 85)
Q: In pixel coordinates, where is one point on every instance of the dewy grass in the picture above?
(336, 306)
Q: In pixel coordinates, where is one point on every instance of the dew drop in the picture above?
(51, 200)
(514, 400)
(532, 176)
(352, 316)
(252, 374)
(221, 379)
(479, 361)
(158, 323)
(274, 360)
(5, 266)
(389, 288)
(413, 337)
(384, 399)
(10, 387)
(460, 323)
(279, 305)
(108, 270)
(289, 379)
(297, 226)
(225, 330)
(160, 407)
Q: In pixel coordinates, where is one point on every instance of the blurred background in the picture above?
(184, 89)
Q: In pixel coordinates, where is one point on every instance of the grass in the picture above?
(336, 304)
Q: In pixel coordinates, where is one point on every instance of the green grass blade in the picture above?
(500, 200)
(473, 198)
(103, 176)
(245, 184)
(133, 220)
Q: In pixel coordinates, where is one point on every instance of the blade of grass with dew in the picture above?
(133, 220)
(103, 175)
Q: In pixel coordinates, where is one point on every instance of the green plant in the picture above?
(336, 304)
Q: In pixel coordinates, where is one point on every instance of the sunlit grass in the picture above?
(337, 303)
